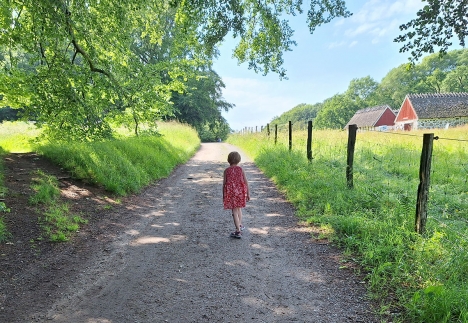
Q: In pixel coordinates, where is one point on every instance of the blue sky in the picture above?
(321, 65)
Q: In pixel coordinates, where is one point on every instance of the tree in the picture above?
(78, 65)
(434, 74)
(72, 67)
(456, 80)
(437, 23)
(336, 112)
(201, 105)
(363, 91)
(398, 82)
(301, 113)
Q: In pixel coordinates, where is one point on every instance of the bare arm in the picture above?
(247, 185)
(224, 181)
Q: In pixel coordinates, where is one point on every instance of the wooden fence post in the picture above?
(290, 135)
(276, 133)
(309, 141)
(424, 181)
(268, 129)
(352, 129)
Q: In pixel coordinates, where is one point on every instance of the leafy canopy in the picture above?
(435, 26)
(75, 66)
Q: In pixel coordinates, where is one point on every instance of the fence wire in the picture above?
(395, 167)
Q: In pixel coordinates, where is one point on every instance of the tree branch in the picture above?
(79, 49)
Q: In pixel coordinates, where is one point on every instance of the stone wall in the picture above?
(442, 123)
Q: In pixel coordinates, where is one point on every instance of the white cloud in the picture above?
(381, 10)
(361, 29)
(379, 19)
(354, 43)
(336, 44)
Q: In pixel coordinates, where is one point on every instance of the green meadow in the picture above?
(122, 166)
(17, 137)
(416, 278)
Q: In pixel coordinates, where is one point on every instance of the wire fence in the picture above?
(394, 159)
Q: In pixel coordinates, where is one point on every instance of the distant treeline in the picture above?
(434, 74)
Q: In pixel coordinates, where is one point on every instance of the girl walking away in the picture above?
(235, 191)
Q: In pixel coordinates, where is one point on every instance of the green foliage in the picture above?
(363, 91)
(3, 207)
(4, 234)
(214, 131)
(77, 67)
(336, 112)
(75, 84)
(300, 113)
(434, 74)
(126, 165)
(437, 23)
(374, 222)
(201, 106)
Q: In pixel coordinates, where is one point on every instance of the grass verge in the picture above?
(57, 222)
(417, 278)
(126, 165)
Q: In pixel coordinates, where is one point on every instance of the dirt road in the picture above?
(177, 263)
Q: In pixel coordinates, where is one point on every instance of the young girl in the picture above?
(235, 191)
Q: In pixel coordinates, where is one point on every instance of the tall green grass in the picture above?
(128, 164)
(123, 165)
(426, 276)
(17, 137)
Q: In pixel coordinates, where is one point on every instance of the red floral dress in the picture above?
(235, 188)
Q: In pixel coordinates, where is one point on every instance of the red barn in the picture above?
(428, 111)
(379, 117)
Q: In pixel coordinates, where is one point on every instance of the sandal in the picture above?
(241, 227)
(236, 234)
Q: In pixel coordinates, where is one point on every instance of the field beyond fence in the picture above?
(419, 277)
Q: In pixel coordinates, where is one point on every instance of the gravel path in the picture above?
(177, 263)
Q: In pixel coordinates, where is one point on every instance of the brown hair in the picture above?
(234, 158)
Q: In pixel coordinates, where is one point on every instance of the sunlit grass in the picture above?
(128, 164)
(17, 137)
(122, 166)
(374, 221)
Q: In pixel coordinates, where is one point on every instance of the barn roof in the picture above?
(439, 105)
(368, 117)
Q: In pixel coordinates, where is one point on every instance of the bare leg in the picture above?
(235, 217)
(240, 217)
